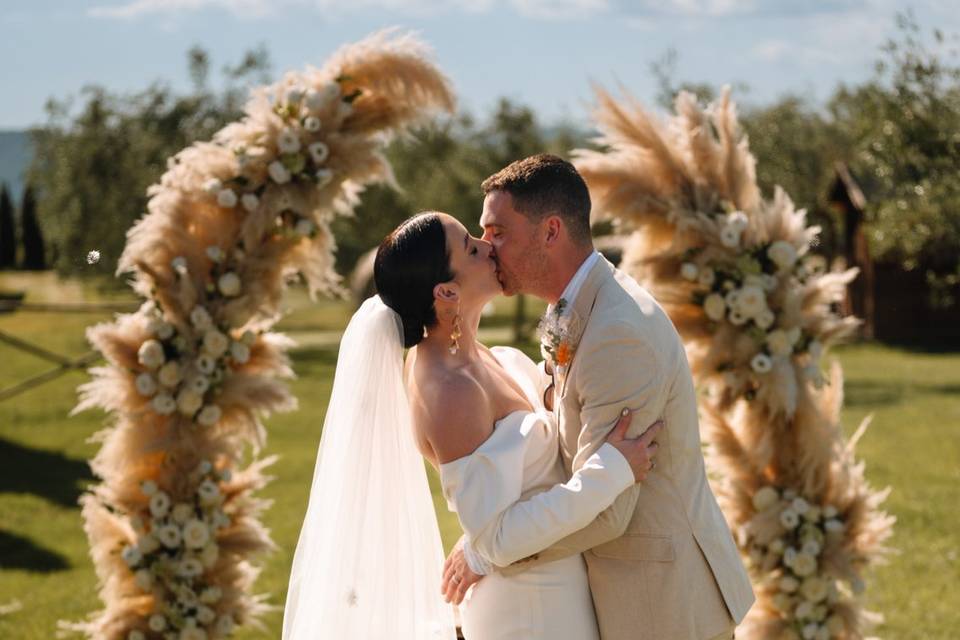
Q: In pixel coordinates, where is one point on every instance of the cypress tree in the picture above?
(33, 251)
(8, 232)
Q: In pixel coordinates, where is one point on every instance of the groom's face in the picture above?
(515, 240)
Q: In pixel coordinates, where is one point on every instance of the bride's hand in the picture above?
(639, 452)
(457, 576)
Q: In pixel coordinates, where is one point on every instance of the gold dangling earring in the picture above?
(455, 334)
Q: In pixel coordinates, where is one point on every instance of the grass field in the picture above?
(46, 575)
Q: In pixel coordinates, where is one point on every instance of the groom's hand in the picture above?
(457, 576)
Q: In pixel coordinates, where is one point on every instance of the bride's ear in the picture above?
(446, 293)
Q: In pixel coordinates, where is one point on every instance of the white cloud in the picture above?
(547, 9)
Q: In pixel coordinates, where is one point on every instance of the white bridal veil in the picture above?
(369, 560)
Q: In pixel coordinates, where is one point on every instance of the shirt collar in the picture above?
(576, 282)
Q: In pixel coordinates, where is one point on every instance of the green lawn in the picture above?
(913, 445)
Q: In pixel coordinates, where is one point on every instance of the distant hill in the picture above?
(14, 159)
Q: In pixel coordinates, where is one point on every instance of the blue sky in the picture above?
(543, 53)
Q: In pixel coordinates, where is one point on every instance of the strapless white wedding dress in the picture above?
(518, 462)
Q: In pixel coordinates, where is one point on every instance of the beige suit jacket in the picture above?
(662, 562)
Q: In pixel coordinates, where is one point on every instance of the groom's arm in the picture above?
(620, 372)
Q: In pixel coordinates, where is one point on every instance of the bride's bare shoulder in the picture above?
(450, 410)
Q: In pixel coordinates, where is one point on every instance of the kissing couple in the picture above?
(579, 481)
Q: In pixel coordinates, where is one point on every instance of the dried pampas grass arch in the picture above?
(174, 524)
(756, 312)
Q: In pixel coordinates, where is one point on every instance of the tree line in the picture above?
(898, 131)
(26, 249)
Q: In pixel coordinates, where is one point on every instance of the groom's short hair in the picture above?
(544, 185)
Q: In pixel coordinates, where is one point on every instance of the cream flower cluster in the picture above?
(743, 291)
(298, 152)
(181, 371)
(175, 545)
(792, 561)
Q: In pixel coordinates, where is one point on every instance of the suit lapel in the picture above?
(582, 307)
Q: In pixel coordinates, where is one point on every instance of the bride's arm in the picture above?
(524, 529)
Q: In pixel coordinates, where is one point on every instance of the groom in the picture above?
(662, 563)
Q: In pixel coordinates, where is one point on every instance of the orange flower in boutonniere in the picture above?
(556, 337)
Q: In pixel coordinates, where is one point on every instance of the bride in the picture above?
(369, 558)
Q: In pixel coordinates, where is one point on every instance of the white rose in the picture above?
(250, 202)
(323, 176)
(205, 364)
(200, 384)
(136, 634)
(830, 511)
(737, 318)
(769, 282)
(809, 631)
(752, 301)
(210, 595)
(239, 352)
(730, 237)
(789, 519)
(212, 186)
(737, 220)
(206, 615)
(319, 152)
(278, 172)
(215, 253)
(715, 307)
(148, 487)
(143, 579)
(288, 141)
(150, 354)
(200, 319)
(189, 402)
(814, 589)
(225, 625)
(161, 329)
(789, 584)
(131, 555)
(229, 284)
(812, 514)
(761, 363)
(804, 565)
(209, 492)
(764, 319)
(148, 544)
(159, 504)
(209, 555)
(164, 404)
(209, 415)
(305, 227)
(783, 254)
(765, 498)
(793, 335)
(779, 343)
(179, 264)
(146, 385)
(215, 343)
(753, 281)
(789, 556)
(227, 199)
(169, 374)
(707, 277)
(182, 512)
(189, 568)
(195, 534)
(732, 298)
(157, 622)
(689, 271)
(800, 505)
(312, 124)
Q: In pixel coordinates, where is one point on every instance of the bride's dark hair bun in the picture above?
(410, 262)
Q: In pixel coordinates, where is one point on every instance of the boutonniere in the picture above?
(558, 338)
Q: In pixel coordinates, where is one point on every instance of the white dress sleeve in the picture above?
(485, 490)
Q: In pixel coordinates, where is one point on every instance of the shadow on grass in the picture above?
(873, 393)
(17, 552)
(48, 474)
